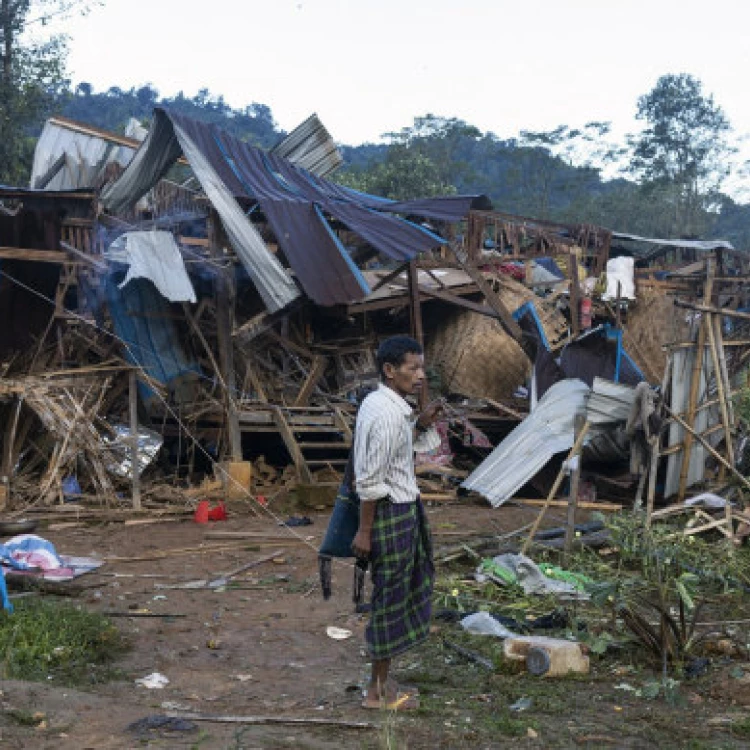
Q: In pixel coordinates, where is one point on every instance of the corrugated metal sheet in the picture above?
(609, 402)
(296, 203)
(682, 367)
(702, 245)
(311, 147)
(549, 429)
(84, 155)
(154, 256)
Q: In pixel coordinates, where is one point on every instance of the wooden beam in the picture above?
(492, 297)
(291, 445)
(39, 256)
(105, 135)
(390, 277)
(98, 264)
(47, 177)
(459, 301)
(225, 300)
(704, 308)
(316, 373)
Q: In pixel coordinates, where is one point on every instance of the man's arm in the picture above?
(362, 543)
(426, 437)
(373, 440)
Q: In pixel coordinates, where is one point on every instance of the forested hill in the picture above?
(530, 175)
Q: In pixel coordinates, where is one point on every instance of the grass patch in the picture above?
(741, 728)
(45, 640)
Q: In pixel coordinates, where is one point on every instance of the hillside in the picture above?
(441, 155)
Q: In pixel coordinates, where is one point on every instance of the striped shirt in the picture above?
(384, 447)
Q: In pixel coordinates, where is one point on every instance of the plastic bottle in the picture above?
(547, 657)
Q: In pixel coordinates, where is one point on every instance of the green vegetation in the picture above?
(46, 640)
(666, 181)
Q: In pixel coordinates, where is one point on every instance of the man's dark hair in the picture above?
(393, 351)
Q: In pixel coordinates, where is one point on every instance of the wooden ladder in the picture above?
(315, 437)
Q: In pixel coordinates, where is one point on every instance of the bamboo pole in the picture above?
(709, 448)
(556, 486)
(575, 479)
(134, 463)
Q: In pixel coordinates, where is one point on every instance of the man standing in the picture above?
(393, 533)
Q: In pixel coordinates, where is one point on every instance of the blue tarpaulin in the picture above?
(142, 319)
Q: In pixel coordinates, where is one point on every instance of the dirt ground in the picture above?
(260, 648)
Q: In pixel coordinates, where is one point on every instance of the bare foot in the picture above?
(392, 698)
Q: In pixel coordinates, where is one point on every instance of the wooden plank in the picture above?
(38, 256)
(466, 304)
(206, 348)
(252, 375)
(313, 378)
(718, 376)
(291, 445)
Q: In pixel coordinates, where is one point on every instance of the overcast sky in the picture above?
(369, 66)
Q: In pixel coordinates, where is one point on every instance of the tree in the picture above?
(403, 175)
(683, 147)
(32, 72)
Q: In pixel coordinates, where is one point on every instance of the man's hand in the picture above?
(362, 544)
(431, 414)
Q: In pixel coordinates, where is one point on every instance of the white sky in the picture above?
(369, 66)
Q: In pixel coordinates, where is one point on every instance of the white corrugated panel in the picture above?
(85, 156)
(549, 429)
(311, 147)
(154, 256)
(682, 367)
(609, 402)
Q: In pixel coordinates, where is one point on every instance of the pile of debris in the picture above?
(190, 303)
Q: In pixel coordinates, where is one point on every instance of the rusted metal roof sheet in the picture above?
(297, 204)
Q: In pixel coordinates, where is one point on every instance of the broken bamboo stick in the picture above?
(321, 722)
(556, 486)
